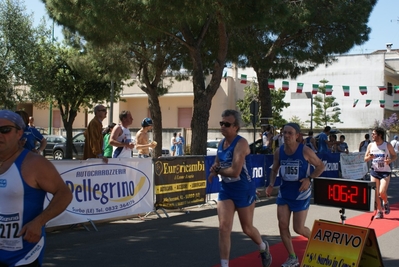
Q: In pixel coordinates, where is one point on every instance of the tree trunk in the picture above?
(264, 97)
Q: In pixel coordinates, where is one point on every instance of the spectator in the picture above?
(180, 142)
(173, 144)
(279, 139)
(293, 162)
(395, 145)
(237, 191)
(93, 135)
(364, 144)
(267, 138)
(142, 139)
(310, 141)
(26, 178)
(342, 146)
(31, 135)
(106, 135)
(31, 122)
(332, 143)
(381, 154)
(121, 137)
(323, 140)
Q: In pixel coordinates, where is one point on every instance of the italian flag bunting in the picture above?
(270, 84)
(363, 90)
(368, 101)
(396, 103)
(299, 87)
(355, 102)
(225, 76)
(329, 89)
(396, 88)
(286, 86)
(382, 88)
(244, 78)
(315, 89)
(382, 103)
(346, 90)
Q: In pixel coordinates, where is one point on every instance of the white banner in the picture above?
(104, 191)
(353, 165)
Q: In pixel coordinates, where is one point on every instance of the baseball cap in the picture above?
(146, 122)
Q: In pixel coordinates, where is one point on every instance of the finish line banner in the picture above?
(101, 191)
(179, 181)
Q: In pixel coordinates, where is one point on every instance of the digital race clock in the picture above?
(344, 193)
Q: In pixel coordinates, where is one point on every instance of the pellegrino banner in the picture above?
(101, 191)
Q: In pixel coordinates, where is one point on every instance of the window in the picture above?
(389, 89)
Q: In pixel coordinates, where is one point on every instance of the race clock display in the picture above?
(344, 193)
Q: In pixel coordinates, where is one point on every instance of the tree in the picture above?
(252, 93)
(301, 35)
(200, 29)
(17, 46)
(74, 78)
(327, 110)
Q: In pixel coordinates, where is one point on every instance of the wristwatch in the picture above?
(310, 178)
(217, 169)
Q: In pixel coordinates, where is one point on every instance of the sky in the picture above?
(383, 21)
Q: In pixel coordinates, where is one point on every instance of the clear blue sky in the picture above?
(384, 24)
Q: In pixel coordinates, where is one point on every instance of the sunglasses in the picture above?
(103, 110)
(7, 128)
(225, 124)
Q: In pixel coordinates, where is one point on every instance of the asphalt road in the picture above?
(184, 239)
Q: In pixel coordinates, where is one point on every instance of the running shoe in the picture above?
(265, 255)
(387, 209)
(379, 215)
(291, 262)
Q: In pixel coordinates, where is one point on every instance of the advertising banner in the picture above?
(179, 181)
(331, 164)
(104, 191)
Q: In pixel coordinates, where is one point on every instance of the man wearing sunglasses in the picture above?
(25, 178)
(94, 142)
(238, 191)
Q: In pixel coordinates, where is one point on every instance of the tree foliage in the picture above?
(327, 110)
(252, 93)
(297, 37)
(18, 40)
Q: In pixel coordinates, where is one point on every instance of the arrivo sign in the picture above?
(344, 193)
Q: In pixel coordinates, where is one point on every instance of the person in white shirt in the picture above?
(395, 145)
(121, 138)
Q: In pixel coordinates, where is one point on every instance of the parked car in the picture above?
(212, 147)
(78, 141)
(51, 141)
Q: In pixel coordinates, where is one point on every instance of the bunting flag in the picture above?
(355, 102)
(315, 89)
(382, 103)
(270, 84)
(396, 88)
(346, 90)
(299, 88)
(382, 88)
(329, 89)
(363, 90)
(244, 78)
(396, 103)
(368, 101)
(286, 86)
(225, 76)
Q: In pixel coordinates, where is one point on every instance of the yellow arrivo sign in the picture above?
(341, 245)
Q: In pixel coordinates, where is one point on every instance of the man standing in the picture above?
(142, 139)
(311, 142)
(238, 192)
(180, 142)
(94, 142)
(293, 161)
(323, 140)
(381, 154)
(25, 178)
(121, 137)
(267, 139)
(364, 144)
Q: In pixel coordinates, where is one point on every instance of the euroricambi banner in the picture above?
(179, 181)
(101, 191)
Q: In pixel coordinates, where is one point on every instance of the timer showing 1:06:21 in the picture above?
(343, 193)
